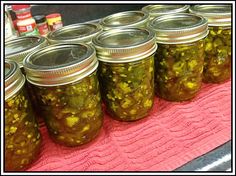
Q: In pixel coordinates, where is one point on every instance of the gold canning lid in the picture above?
(124, 45)
(217, 15)
(179, 28)
(60, 64)
(125, 20)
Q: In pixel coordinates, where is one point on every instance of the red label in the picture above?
(27, 28)
(43, 29)
(22, 16)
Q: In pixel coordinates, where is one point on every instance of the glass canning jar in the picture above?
(125, 20)
(217, 67)
(164, 9)
(180, 55)
(64, 80)
(22, 136)
(17, 49)
(76, 33)
(126, 71)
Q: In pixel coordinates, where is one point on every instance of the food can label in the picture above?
(43, 29)
(24, 15)
(30, 29)
(26, 28)
(55, 25)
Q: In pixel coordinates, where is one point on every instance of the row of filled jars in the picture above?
(123, 65)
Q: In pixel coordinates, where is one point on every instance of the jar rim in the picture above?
(179, 28)
(217, 15)
(60, 64)
(14, 79)
(59, 35)
(124, 45)
(114, 21)
(164, 9)
(32, 43)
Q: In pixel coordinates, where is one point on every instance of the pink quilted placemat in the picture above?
(172, 135)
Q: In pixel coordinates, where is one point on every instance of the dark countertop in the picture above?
(217, 160)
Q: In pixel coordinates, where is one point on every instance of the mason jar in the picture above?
(76, 33)
(125, 19)
(180, 55)
(126, 71)
(164, 9)
(18, 48)
(217, 66)
(64, 80)
(22, 136)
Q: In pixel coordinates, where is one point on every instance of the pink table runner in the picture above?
(172, 135)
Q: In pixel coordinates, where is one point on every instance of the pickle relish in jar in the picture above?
(22, 136)
(180, 55)
(64, 80)
(126, 71)
(217, 66)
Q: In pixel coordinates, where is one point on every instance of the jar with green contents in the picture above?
(125, 20)
(64, 79)
(180, 55)
(76, 33)
(22, 136)
(126, 71)
(16, 50)
(164, 9)
(217, 66)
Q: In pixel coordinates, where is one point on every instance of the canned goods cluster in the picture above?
(123, 61)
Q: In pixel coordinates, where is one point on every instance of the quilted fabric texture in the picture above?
(172, 135)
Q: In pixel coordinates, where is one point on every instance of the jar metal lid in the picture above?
(124, 45)
(14, 79)
(125, 19)
(217, 15)
(76, 33)
(179, 28)
(18, 48)
(60, 64)
(158, 10)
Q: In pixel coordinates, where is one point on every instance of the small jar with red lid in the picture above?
(54, 21)
(26, 25)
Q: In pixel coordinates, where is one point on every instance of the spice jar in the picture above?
(65, 83)
(125, 19)
(42, 24)
(17, 49)
(76, 33)
(164, 9)
(180, 56)
(126, 71)
(217, 67)
(22, 136)
(54, 21)
(25, 23)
